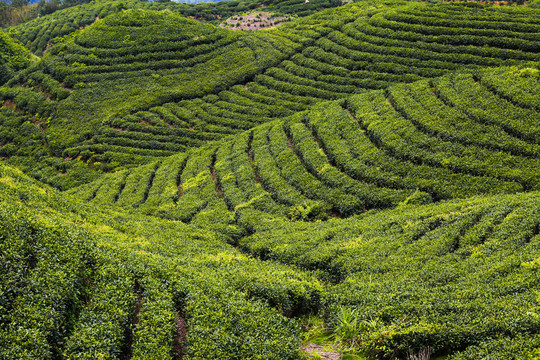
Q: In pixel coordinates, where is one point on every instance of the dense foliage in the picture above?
(13, 57)
(79, 283)
(140, 85)
(39, 34)
(373, 166)
(454, 276)
(457, 276)
(414, 143)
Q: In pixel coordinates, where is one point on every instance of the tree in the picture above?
(47, 7)
(19, 3)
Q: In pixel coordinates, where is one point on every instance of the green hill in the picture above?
(128, 101)
(89, 283)
(364, 178)
(421, 142)
(80, 283)
(39, 34)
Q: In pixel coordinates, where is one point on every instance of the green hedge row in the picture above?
(365, 31)
(154, 144)
(486, 160)
(137, 185)
(399, 137)
(101, 326)
(477, 102)
(521, 88)
(460, 36)
(46, 268)
(238, 179)
(389, 150)
(147, 53)
(450, 123)
(274, 182)
(108, 191)
(154, 287)
(135, 124)
(400, 308)
(352, 149)
(465, 22)
(317, 163)
(164, 192)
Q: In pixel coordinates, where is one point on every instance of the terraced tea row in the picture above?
(381, 47)
(437, 271)
(14, 57)
(320, 173)
(117, 77)
(78, 286)
(37, 35)
(24, 118)
(141, 85)
(455, 277)
(364, 50)
(172, 126)
(40, 34)
(369, 53)
(427, 141)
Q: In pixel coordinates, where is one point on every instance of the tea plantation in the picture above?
(364, 177)
(13, 57)
(139, 85)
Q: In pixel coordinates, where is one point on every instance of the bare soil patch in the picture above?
(10, 104)
(324, 353)
(180, 339)
(254, 21)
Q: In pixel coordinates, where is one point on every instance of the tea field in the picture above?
(140, 85)
(363, 177)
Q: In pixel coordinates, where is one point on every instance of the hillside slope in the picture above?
(459, 277)
(80, 283)
(39, 34)
(365, 178)
(456, 277)
(453, 137)
(191, 59)
(122, 103)
(13, 57)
